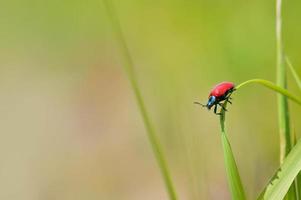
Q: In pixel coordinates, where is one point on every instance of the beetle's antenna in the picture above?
(199, 104)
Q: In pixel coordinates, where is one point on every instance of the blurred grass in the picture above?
(283, 109)
(129, 68)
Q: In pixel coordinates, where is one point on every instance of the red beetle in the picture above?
(219, 93)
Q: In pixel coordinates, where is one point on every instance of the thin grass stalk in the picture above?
(129, 68)
(283, 110)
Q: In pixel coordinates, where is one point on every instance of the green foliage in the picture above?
(129, 68)
(284, 177)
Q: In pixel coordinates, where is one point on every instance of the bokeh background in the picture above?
(70, 128)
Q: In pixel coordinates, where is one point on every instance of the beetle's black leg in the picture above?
(222, 107)
(215, 110)
(215, 107)
(229, 100)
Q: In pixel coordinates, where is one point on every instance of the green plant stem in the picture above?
(273, 87)
(235, 185)
(283, 111)
(129, 68)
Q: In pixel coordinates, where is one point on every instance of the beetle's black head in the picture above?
(211, 102)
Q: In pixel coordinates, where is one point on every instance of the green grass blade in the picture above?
(129, 68)
(271, 86)
(283, 110)
(234, 181)
(295, 75)
(283, 179)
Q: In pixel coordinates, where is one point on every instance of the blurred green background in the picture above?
(70, 128)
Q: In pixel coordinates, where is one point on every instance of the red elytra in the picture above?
(221, 89)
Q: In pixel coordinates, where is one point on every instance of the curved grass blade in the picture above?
(234, 181)
(128, 66)
(284, 177)
(272, 86)
(295, 75)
